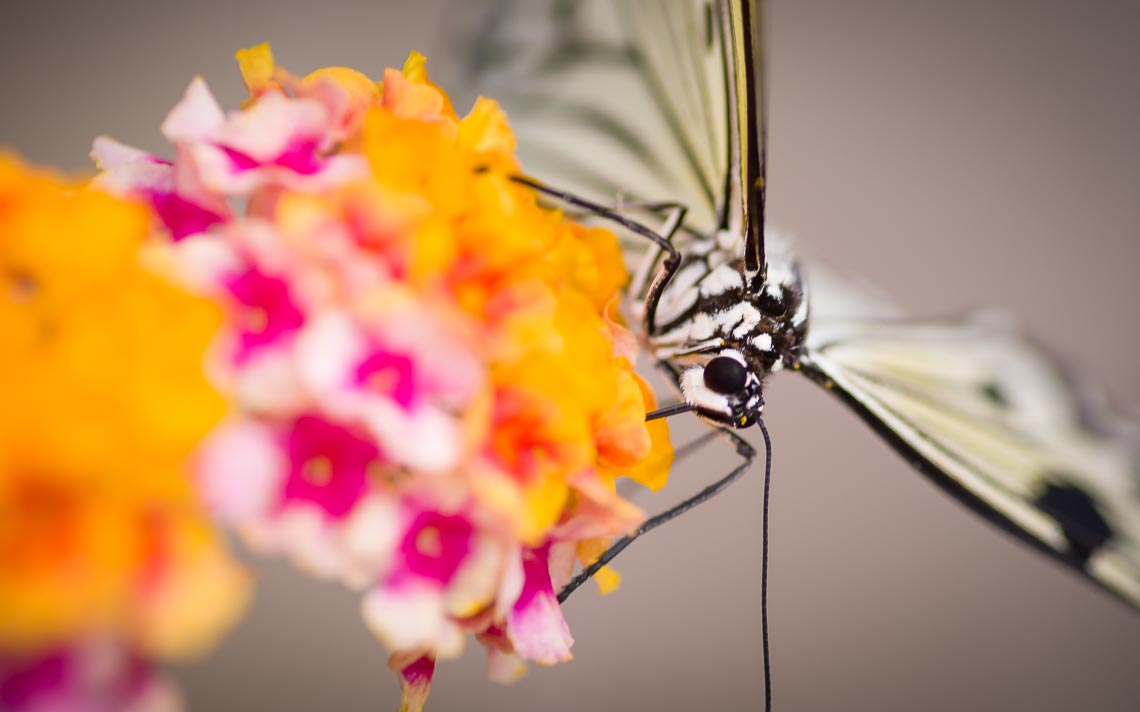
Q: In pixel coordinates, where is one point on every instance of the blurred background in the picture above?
(955, 154)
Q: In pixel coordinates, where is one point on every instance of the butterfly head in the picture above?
(724, 390)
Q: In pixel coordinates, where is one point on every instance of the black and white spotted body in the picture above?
(714, 307)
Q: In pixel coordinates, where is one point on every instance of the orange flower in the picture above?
(101, 370)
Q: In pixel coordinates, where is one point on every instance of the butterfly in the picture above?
(659, 108)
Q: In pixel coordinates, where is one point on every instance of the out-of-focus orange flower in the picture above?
(104, 399)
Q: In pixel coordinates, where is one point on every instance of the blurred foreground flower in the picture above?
(106, 561)
(432, 401)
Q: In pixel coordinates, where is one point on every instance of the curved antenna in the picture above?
(764, 569)
(747, 453)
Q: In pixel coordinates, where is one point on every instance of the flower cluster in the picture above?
(433, 395)
(106, 559)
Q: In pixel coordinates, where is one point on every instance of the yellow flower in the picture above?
(344, 91)
(589, 259)
(258, 70)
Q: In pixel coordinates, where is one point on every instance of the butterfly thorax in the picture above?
(715, 309)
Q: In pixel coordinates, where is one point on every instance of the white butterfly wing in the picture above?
(614, 101)
(630, 99)
(994, 422)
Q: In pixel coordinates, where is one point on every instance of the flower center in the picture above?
(22, 287)
(384, 380)
(317, 471)
(256, 320)
(429, 542)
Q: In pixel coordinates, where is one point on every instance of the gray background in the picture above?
(954, 153)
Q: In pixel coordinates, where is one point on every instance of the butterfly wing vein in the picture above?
(993, 420)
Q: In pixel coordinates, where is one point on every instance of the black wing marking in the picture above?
(991, 420)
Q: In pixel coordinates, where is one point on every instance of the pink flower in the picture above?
(441, 571)
(94, 676)
(279, 141)
(133, 173)
(240, 469)
(400, 377)
(433, 548)
(266, 310)
(304, 487)
(390, 374)
(328, 465)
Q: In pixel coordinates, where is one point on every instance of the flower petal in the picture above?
(240, 469)
(257, 69)
(411, 617)
(415, 684)
(109, 153)
(369, 538)
(196, 116)
(277, 129)
(535, 623)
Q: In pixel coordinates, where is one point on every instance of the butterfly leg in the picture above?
(642, 281)
(621, 206)
(671, 215)
(663, 240)
(629, 489)
(747, 454)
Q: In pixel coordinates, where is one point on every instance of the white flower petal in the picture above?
(196, 116)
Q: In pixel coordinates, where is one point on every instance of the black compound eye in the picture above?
(726, 375)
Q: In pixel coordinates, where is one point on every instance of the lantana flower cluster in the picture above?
(106, 559)
(433, 395)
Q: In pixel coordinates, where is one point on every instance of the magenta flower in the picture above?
(390, 374)
(442, 571)
(140, 175)
(433, 547)
(328, 465)
(267, 310)
(94, 677)
(280, 141)
(401, 378)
